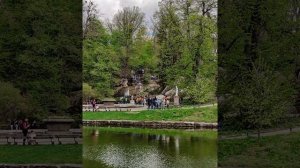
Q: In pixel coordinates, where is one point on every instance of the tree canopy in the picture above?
(257, 62)
(40, 54)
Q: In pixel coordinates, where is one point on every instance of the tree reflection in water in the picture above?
(125, 149)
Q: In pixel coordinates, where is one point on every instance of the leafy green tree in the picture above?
(40, 52)
(127, 22)
(88, 92)
(186, 35)
(143, 53)
(12, 103)
(256, 63)
(100, 61)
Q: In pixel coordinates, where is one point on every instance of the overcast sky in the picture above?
(107, 8)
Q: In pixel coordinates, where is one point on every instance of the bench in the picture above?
(38, 136)
(74, 136)
(5, 136)
(43, 137)
(17, 136)
(14, 136)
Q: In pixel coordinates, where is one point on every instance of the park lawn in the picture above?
(41, 154)
(199, 114)
(272, 151)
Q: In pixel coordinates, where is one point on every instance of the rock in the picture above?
(170, 92)
(165, 90)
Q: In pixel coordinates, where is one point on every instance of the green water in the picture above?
(148, 148)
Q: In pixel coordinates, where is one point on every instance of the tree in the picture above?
(143, 53)
(89, 15)
(11, 102)
(88, 92)
(256, 63)
(40, 53)
(186, 35)
(100, 62)
(127, 22)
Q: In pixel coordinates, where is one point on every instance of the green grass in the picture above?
(292, 122)
(274, 151)
(56, 154)
(171, 132)
(204, 114)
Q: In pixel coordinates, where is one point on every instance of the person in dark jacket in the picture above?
(149, 102)
(155, 104)
(25, 126)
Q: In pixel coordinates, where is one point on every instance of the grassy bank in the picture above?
(172, 132)
(204, 114)
(53, 154)
(274, 151)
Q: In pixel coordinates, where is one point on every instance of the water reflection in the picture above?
(141, 150)
(94, 136)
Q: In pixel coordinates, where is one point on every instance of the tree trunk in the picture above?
(251, 45)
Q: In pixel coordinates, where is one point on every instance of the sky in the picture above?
(107, 8)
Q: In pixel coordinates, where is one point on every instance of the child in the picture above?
(31, 138)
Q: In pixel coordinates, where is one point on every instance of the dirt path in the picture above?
(263, 134)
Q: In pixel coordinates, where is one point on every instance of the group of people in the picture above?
(155, 103)
(17, 124)
(152, 101)
(23, 125)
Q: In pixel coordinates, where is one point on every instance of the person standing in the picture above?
(155, 103)
(167, 102)
(33, 125)
(25, 126)
(148, 102)
(152, 102)
(144, 101)
(163, 103)
(16, 124)
(94, 105)
(12, 124)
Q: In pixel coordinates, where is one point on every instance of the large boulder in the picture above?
(170, 93)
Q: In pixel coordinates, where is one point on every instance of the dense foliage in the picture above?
(100, 62)
(258, 57)
(186, 33)
(40, 56)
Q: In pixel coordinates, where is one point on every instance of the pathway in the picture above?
(144, 108)
(263, 134)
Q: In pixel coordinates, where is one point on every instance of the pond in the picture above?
(149, 148)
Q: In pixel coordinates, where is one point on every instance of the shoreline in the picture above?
(41, 165)
(151, 124)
